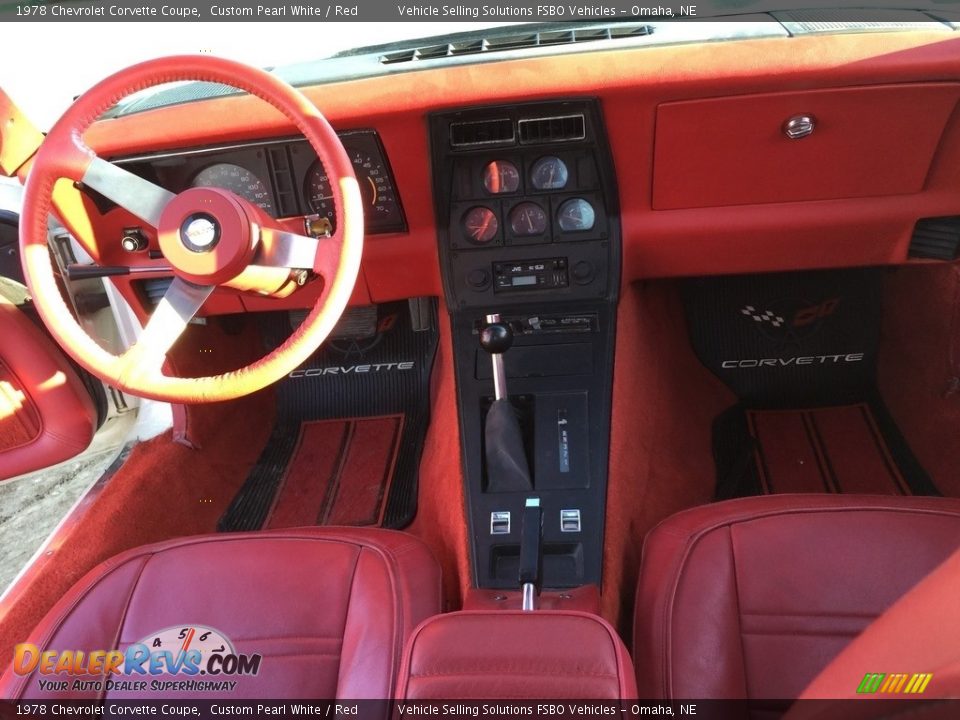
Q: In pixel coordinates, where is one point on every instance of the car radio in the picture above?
(530, 275)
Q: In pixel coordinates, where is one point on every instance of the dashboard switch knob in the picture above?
(478, 279)
(583, 273)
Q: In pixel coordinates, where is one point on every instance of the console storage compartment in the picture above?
(540, 655)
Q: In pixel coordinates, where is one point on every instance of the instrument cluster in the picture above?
(524, 199)
(283, 177)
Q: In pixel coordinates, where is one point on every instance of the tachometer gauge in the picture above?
(576, 215)
(549, 173)
(238, 180)
(501, 176)
(528, 219)
(480, 224)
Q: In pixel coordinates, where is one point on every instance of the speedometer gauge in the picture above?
(379, 198)
(238, 180)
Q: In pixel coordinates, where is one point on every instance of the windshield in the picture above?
(46, 91)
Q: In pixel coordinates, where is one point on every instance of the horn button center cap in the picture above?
(200, 232)
(206, 235)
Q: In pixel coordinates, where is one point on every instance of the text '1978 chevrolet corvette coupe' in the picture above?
(597, 361)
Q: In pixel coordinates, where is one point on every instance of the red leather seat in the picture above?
(46, 415)
(752, 598)
(920, 633)
(328, 609)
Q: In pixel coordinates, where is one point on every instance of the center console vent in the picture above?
(566, 128)
(482, 132)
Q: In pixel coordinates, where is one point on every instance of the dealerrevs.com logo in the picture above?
(183, 658)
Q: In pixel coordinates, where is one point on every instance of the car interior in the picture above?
(545, 361)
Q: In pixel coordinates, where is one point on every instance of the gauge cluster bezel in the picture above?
(282, 165)
(469, 191)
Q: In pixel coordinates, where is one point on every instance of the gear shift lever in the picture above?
(507, 469)
(496, 338)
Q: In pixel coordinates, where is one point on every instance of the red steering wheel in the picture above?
(208, 236)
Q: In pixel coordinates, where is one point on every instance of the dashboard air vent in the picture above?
(518, 41)
(565, 128)
(482, 132)
(936, 239)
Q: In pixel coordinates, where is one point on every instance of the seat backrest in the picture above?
(327, 610)
(752, 598)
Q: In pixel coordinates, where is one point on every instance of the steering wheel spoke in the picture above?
(176, 309)
(282, 248)
(131, 192)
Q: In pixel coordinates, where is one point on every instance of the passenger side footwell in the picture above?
(800, 351)
(841, 449)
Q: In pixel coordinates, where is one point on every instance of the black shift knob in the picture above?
(496, 338)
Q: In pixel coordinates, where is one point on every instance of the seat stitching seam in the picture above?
(346, 616)
(736, 595)
(512, 671)
(123, 617)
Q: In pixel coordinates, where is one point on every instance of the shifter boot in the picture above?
(507, 469)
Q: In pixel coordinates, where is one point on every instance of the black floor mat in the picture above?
(357, 373)
(761, 452)
(800, 352)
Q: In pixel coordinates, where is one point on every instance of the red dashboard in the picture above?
(708, 183)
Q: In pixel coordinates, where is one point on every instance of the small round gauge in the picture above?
(528, 219)
(549, 173)
(576, 215)
(237, 180)
(501, 176)
(379, 199)
(480, 224)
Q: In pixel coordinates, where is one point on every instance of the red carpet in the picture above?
(836, 449)
(339, 474)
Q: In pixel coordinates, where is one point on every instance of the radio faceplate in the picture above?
(530, 275)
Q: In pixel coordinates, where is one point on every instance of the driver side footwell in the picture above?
(351, 422)
(339, 473)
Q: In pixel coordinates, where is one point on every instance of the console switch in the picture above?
(500, 522)
(570, 521)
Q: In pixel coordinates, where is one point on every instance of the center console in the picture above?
(530, 237)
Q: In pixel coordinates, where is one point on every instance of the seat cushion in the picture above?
(328, 610)
(46, 414)
(511, 654)
(753, 597)
(919, 634)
